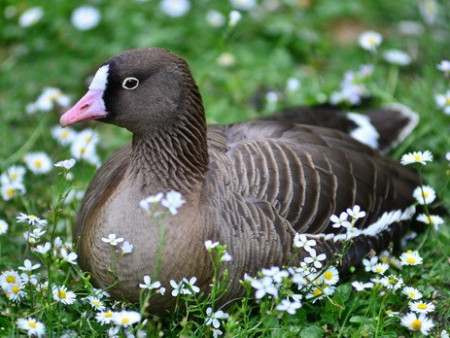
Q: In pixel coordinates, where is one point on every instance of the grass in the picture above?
(314, 42)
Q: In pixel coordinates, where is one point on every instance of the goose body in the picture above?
(251, 185)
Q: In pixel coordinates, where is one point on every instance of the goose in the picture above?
(251, 186)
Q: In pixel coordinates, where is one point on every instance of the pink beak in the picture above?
(90, 107)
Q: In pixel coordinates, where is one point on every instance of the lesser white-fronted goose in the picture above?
(250, 185)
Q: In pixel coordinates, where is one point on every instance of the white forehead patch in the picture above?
(100, 79)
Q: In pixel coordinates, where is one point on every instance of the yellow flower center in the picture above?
(38, 163)
(371, 41)
(328, 275)
(417, 157)
(14, 175)
(411, 294)
(425, 194)
(411, 260)
(379, 269)
(317, 292)
(15, 289)
(447, 100)
(64, 134)
(409, 251)
(32, 325)
(10, 192)
(96, 303)
(125, 320)
(10, 279)
(32, 217)
(384, 259)
(422, 306)
(83, 151)
(62, 294)
(108, 314)
(416, 325)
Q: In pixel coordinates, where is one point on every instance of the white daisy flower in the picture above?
(63, 136)
(105, 317)
(397, 57)
(429, 10)
(424, 194)
(443, 102)
(421, 307)
(330, 275)
(112, 239)
(13, 174)
(175, 8)
(84, 148)
(412, 293)
(96, 303)
(12, 190)
(38, 162)
(173, 201)
(31, 16)
(61, 294)
(417, 157)
(392, 282)
(213, 318)
(410, 258)
(414, 323)
(31, 219)
(9, 278)
(85, 18)
(15, 292)
(370, 40)
(33, 327)
(380, 268)
(435, 220)
(3, 227)
(126, 318)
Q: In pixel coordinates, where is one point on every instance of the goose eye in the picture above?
(130, 83)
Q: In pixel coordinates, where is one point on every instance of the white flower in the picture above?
(288, 306)
(226, 59)
(64, 136)
(330, 275)
(429, 10)
(31, 219)
(9, 278)
(84, 147)
(226, 257)
(12, 190)
(69, 257)
(3, 227)
(414, 323)
(369, 264)
(15, 292)
(13, 174)
(28, 266)
(38, 162)
(61, 294)
(185, 287)
(410, 258)
(444, 334)
(48, 99)
(32, 326)
(424, 194)
(264, 286)
(151, 200)
(301, 241)
(148, 284)
(417, 157)
(43, 249)
(175, 8)
(215, 18)
(340, 221)
(112, 239)
(412, 293)
(292, 84)
(315, 259)
(214, 317)
(397, 57)
(421, 307)
(85, 18)
(96, 303)
(66, 164)
(126, 247)
(173, 201)
(360, 286)
(234, 18)
(355, 213)
(31, 16)
(209, 245)
(380, 268)
(105, 317)
(275, 273)
(244, 5)
(443, 102)
(392, 282)
(126, 318)
(444, 67)
(370, 40)
(432, 219)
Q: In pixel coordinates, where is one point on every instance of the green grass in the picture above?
(313, 41)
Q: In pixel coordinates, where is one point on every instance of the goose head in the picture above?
(142, 90)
